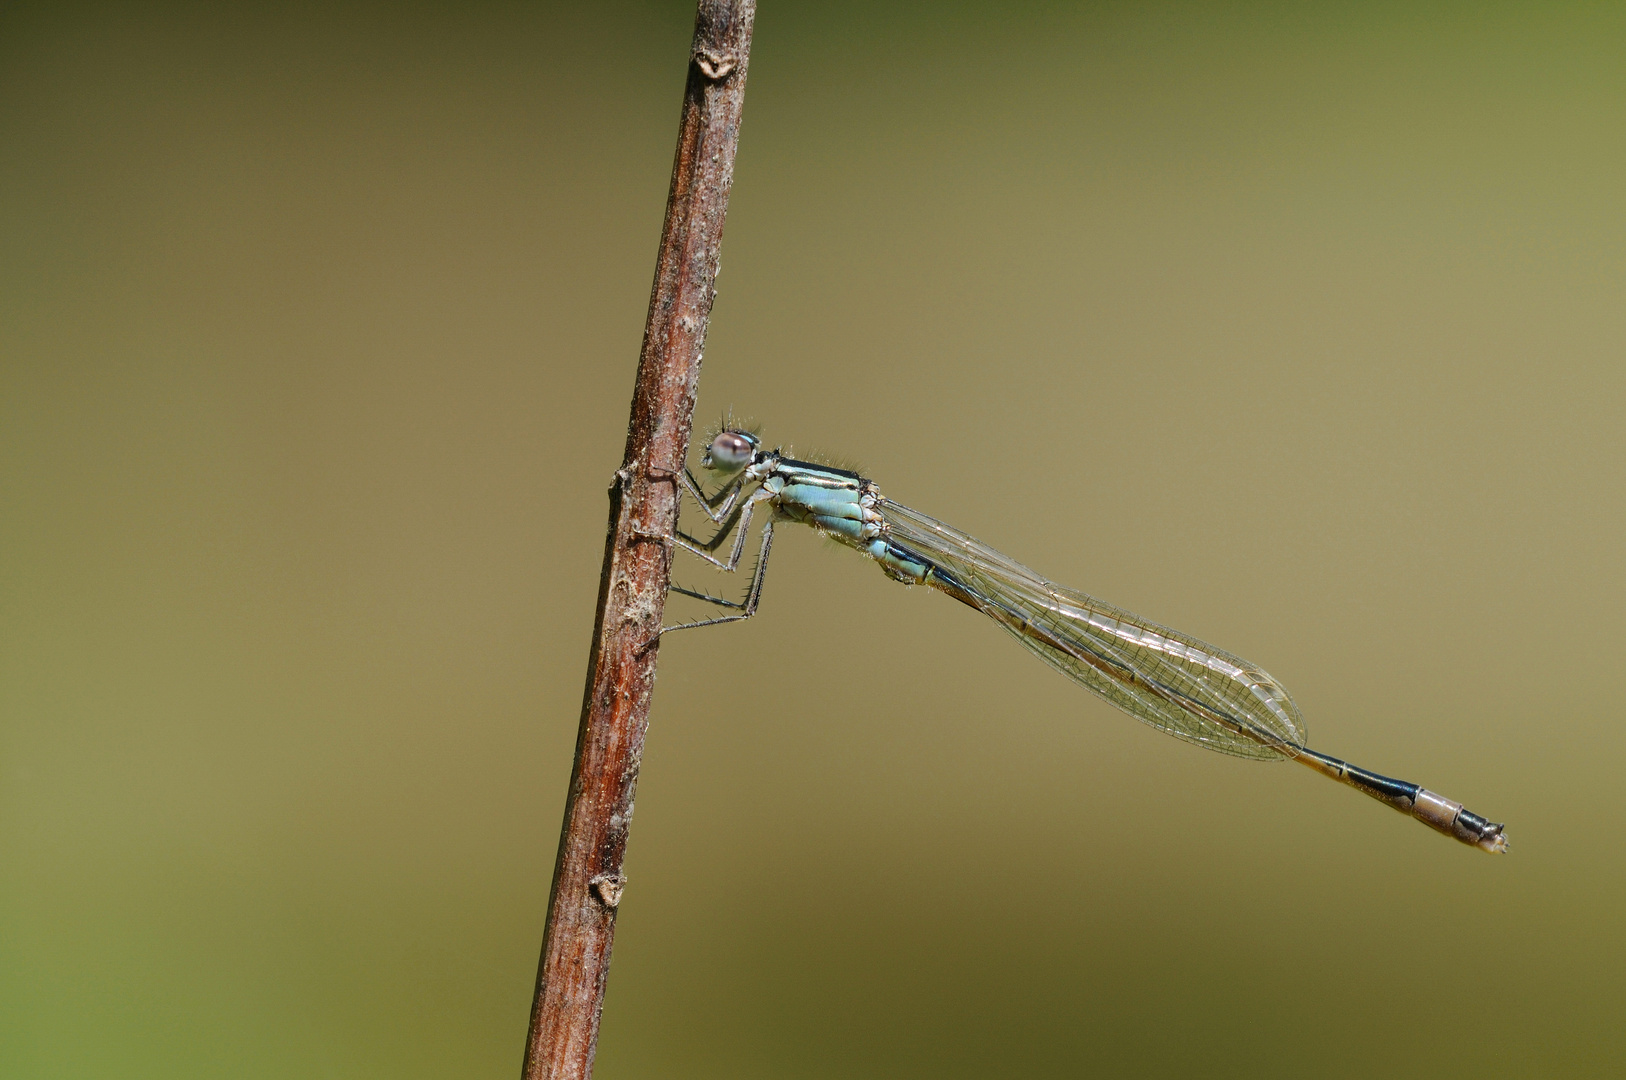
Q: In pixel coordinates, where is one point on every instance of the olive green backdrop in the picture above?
(1297, 327)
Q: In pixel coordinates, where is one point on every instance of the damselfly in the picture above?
(1167, 679)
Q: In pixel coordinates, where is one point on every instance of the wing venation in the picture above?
(1167, 679)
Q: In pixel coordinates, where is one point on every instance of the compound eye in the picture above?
(730, 452)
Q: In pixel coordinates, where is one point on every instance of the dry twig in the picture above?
(587, 879)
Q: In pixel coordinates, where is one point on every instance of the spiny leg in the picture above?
(707, 597)
(739, 523)
(741, 518)
(752, 597)
(717, 506)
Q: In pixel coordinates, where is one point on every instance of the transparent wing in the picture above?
(1171, 681)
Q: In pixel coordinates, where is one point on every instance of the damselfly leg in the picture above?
(738, 523)
(715, 506)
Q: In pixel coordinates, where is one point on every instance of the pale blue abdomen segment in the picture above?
(840, 527)
(899, 564)
(823, 502)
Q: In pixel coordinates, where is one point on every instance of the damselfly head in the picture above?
(729, 451)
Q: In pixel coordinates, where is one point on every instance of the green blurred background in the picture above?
(1297, 327)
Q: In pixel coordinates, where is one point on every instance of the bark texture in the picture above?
(587, 879)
